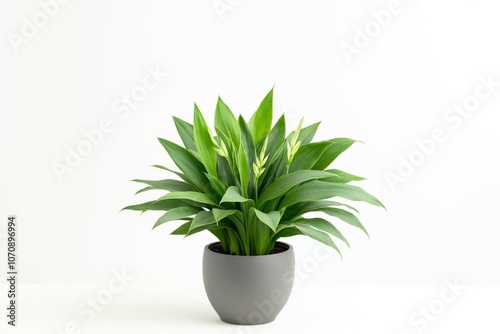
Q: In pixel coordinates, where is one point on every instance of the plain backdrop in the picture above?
(392, 93)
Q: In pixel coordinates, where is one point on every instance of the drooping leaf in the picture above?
(318, 235)
(305, 207)
(286, 182)
(346, 216)
(180, 213)
(170, 185)
(155, 205)
(322, 225)
(189, 195)
(318, 190)
(343, 177)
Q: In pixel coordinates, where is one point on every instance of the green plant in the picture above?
(252, 184)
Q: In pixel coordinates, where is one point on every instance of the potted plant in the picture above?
(250, 185)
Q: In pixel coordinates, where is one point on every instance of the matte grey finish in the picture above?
(248, 290)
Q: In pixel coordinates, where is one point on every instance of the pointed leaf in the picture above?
(192, 168)
(189, 195)
(346, 216)
(185, 131)
(180, 213)
(308, 155)
(226, 123)
(201, 220)
(271, 219)
(233, 195)
(286, 182)
(216, 184)
(203, 141)
(170, 185)
(182, 230)
(322, 225)
(338, 146)
(318, 235)
(220, 214)
(343, 177)
(318, 190)
(306, 134)
(263, 118)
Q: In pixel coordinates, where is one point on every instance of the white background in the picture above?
(442, 221)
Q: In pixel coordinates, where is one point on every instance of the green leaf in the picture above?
(276, 139)
(224, 171)
(189, 195)
(343, 177)
(185, 131)
(322, 225)
(318, 235)
(216, 184)
(346, 216)
(192, 168)
(201, 221)
(301, 208)
(183, 229)
(170, 185)
(338, 146)
(203, 141)
(155, 205)
(246, 157)
(285, 231)
(263, 118)
(244, 170)
(308, 155)
(306, 134)
(220, 214)
(271, 219)
(226, 123)
(233, 195)
(180, 213)
(286, 182)
(318, 190)
(180, 175)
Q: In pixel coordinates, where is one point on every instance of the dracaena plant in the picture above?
(250, 183)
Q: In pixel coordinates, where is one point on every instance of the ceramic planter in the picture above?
(248, 290)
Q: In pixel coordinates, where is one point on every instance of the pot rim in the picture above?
(207, 248)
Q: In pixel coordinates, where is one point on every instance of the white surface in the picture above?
(319, 309)
(442, 223)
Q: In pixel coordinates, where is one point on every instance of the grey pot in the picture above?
(248, 290)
